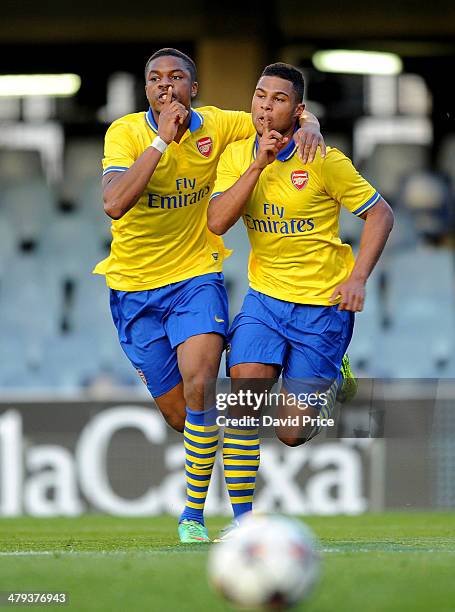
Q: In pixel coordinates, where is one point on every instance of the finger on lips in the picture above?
(168, 98)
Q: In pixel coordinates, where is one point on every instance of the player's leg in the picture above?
(138, 319)
(172, 406)
(304, 415)
(241, 443)
(197, 327)
(255, 354)
(199, 359)
(199, 362)
(318, 337)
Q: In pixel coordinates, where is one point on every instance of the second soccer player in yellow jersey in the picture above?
(305, 285)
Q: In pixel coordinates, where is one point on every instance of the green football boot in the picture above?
(348, 388)
(192, 532)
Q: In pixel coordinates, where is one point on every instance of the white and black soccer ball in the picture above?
(269, 562)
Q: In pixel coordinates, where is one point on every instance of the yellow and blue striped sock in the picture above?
(200, 438)
(241, 453)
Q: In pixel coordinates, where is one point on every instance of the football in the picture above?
(269, 561)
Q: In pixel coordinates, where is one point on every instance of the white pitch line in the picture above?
(156, 552)
(24, 553)
(101, 553)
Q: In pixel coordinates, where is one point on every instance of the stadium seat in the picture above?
(71, 246)
(422, 312)
(29, 207)
(76, 358)
(404, 234)
(70, 359)
(89, 204)
(424, 272)
(30, 297)
(20, 351)
(413, 353)
(367, 330)
(8, 240)
(82, 162)
(90, 309)
(236, 266)
(445, 157)
(18, 165)
(18, 377)
(427, 197)
(390, 163)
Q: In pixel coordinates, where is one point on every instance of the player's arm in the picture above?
(378, 225)
(308, 138)
(226, 208)
(122, 190)
(238, 125)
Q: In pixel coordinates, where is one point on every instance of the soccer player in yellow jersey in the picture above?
(167, 295)
(305, 286)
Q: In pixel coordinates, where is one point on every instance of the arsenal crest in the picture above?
(299, 179)
(205, 146)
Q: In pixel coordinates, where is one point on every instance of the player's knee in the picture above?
(194, 388)
(290, 440)
(176, 421)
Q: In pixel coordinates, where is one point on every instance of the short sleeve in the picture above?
(234, 125)
(345, 185)
(119, 149)
(228, 172)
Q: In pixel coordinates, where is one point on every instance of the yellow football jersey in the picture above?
(292, 220)
(164, 238)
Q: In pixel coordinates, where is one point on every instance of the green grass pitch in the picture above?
(374, 562)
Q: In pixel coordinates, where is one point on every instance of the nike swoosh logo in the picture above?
(218, 320)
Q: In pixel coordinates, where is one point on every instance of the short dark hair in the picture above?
(191, 66)
(288, 73)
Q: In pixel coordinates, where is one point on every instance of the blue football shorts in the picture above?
(151, 324)
(306, 342)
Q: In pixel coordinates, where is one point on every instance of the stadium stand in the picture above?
(420, 338)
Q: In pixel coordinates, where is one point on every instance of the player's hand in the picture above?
(308, 138)
(172, 115)
(270, 144)
(352, 294)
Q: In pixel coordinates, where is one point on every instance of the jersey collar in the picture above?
(196, 120)
(285, 153)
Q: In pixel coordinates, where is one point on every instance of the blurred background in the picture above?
(392, 112)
